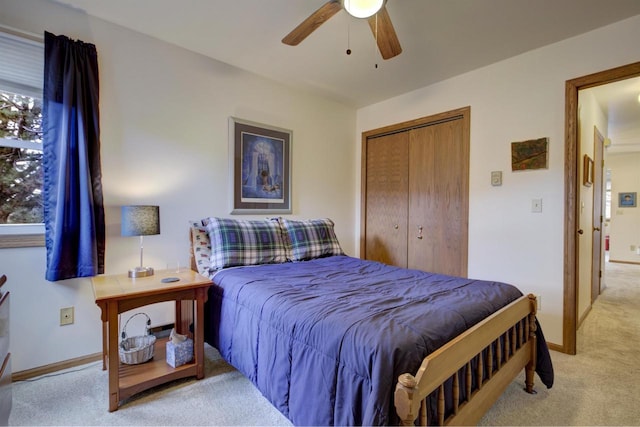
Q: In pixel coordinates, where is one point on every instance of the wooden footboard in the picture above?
(471, 371)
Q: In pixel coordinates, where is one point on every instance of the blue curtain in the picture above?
(73, 206)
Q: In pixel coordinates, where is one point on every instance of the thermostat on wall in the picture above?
(496, 178)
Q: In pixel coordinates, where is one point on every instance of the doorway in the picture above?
(572, 183)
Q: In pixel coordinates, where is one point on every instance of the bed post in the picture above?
(406, 399)
(530, 369)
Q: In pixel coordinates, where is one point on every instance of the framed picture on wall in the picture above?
(260, 165)
(530, 154)
(587, 171)
(627, 200)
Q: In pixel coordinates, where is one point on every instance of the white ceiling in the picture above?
(621, 103)
(440, 39)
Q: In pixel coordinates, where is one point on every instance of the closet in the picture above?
(415, 193)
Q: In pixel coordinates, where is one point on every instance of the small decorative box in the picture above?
(179, 354)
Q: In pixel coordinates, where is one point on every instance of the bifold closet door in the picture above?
(386, 202)
(438, 198)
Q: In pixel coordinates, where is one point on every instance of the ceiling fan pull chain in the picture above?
(348, 36)
(375, 45)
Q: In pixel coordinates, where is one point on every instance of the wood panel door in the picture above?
(386, 203)
(415, 193)
(438, 198)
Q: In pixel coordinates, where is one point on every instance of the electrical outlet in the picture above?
(66, 316)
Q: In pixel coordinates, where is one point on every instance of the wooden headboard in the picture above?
(192, 256)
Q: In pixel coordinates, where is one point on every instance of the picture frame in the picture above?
(530, 154)
(260, 167)
(627, 200)
(587, 171)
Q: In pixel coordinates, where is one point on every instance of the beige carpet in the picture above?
(599, 386)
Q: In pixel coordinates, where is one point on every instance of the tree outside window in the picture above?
(20, 159)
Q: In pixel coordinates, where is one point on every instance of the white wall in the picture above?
(517, 99)
(164, 132)
(624, 227)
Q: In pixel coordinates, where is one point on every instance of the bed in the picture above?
(331, 339)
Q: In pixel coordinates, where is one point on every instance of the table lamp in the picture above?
(140, 221)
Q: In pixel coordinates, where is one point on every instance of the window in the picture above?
(20, 159)
(21, 71)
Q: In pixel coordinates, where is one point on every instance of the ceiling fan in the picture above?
(375, 11)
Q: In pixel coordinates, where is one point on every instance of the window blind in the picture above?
(21, 65)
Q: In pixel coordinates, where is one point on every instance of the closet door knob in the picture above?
(580, 231)
(395, 226)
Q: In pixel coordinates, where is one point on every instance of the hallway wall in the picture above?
(590, 116)
(624, 226)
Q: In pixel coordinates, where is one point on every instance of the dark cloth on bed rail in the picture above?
(544, 366)
(325, 340)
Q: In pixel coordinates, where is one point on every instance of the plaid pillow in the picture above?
(200, 247)
(244, 242)
(312, 239)
(284, 234)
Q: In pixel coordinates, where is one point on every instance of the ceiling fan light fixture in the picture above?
(363, 8)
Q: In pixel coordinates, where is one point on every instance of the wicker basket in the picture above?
(138, 349)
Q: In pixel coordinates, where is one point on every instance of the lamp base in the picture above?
(141, 272)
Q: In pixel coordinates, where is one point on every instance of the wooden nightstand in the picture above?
(118, 293)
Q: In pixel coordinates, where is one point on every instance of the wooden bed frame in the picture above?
(500, 347)
(493, 352)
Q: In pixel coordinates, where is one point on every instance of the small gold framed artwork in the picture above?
(587, 171)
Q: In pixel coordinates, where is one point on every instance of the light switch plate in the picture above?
(496, 178)
(536, 205)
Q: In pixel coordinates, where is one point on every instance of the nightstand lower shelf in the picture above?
(137, 378)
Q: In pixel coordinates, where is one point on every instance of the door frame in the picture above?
(597, 217)
(572, 194)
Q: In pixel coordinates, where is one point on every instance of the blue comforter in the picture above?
(325, 340)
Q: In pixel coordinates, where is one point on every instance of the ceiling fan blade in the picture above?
(310, 24)
(386, 37)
